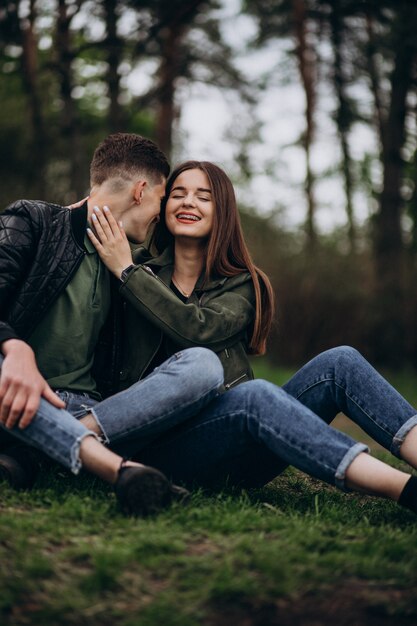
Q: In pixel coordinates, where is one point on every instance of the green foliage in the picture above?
(326, 297)
(64, 82)
(59, 101)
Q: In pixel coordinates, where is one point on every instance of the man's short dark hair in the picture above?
(126, 156)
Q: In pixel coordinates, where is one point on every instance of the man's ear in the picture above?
(138, 190)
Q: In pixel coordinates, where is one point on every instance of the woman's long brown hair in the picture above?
(227, 253)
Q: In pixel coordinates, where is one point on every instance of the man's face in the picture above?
(139, 218)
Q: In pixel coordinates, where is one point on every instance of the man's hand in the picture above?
(22, 385)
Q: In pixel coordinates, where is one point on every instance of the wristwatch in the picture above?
(126, 272)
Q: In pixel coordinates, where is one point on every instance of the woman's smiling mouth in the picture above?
(187, 218)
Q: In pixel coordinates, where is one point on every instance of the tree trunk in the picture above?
(30, 81)
(413, 205)
(167, 111)
(374, 77)
(70, 129)
(343, 117)
(388, 234)
(174, 20)
(307, 67)
(114, 46)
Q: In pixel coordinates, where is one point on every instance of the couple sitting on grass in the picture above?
(135, 368)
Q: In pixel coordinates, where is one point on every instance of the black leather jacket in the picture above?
(41, 248)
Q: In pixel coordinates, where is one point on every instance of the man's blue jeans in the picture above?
(173, 392)
(255, 430)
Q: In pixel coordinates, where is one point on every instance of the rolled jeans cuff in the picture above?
(350, 456)
(103, 438)
(399, 437)
(76, 463)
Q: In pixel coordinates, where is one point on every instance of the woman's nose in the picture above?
(189, 199)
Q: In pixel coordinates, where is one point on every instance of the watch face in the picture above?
(126, 272)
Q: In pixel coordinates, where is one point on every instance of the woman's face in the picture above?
(190, 208)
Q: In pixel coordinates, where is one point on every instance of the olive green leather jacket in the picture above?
(218, 315)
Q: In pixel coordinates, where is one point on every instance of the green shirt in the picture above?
(65, 340)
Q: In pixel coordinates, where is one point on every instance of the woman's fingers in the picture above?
(101, 225)
(106, 226)
(96, 242)
(122, 231)
(114, 226)
(98, 222)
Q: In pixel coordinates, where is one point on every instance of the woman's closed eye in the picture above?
(178, 195)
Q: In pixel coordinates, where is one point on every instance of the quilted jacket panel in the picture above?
(40, 249)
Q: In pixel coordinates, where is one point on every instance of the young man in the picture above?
(59, 310)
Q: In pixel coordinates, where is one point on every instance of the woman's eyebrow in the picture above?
(179, 188)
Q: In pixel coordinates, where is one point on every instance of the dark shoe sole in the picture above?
(180, 494)
(142, 491)
(14, 473)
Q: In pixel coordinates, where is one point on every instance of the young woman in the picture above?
(212, 295)
(203, 289)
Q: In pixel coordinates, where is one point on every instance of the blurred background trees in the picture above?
(66, 73)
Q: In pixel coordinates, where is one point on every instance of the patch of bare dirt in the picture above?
(353, 604)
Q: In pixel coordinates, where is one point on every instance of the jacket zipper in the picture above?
(234, 382)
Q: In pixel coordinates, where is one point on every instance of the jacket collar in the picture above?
(163, 265)
(78, 218)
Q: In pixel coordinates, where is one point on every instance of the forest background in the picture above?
(71, 71)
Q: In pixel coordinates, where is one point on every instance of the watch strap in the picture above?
(125, 273)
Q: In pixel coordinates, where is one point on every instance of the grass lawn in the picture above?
(296, 552)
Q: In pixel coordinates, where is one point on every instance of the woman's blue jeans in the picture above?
(255, 430)
(173, 392)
